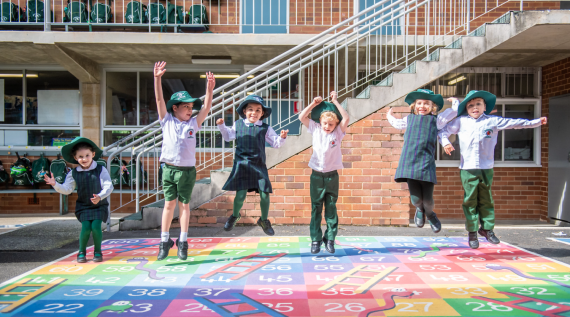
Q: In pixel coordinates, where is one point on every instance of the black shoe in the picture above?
(420, 218)
(182, 249)
(316, 247)
(81, 258)
(266, 226)
(329, 245)
(434, 223)
(230, 224)
(97, 257)
(473, 240)
(163, 249)
(489, 235)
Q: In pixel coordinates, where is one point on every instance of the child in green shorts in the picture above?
(93, 185)
(179, 155)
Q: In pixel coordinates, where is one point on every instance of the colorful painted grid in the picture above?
(278, 276)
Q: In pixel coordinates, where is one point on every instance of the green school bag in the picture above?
(12, 13)
(119, 172)
(132, 168)
(157, 13)
(75, 12)
(136, 13)
(4, 176)
(40, 167)
(102, 162)
(175, 15)
(59, 170)
(21, 172)
(197, 15)
(35, 11)
(101, 13)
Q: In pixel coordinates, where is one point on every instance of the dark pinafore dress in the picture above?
(418, 154)
(87, 184)
(249, 171)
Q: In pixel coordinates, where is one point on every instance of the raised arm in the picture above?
(345, 117)
(444, 134)
(448, 114)
(229, 134)
(304, 115)
(211, 83)
(275, 140)
(399, 124)
(509, 123)
(160, 104)
(66, 188)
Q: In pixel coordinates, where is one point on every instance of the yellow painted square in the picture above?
(122, 259)
(193, 252)
(236, 245)
(69, 269)
(466, 291)
(541, 267)
(505, 278)
(419, 307)
(279, 239)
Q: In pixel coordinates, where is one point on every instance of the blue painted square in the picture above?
(60, 308)
(218, 279)
(179, 280)
(82, 293)
(325, 258)
(327, 267)
(276, 279)
(146, 293)
(141, 308)
(374, 258)
(210, 292)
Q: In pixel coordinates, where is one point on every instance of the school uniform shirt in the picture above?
(442, 119)
(69, 185)
(178, 141)
(478, 137)
(327, 156)
(229, 133)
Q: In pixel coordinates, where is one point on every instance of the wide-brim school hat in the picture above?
(425, 94)
(254, 99)
(489, 98)
(183, 96)
(66, 150)
(323, 107)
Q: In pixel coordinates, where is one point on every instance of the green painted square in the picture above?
(278, 245)
(563, 277)
(115, 269)
(105, 280)
(544, 292)
(475, 307)
(189, 266)
(356, 239)
(223, 253)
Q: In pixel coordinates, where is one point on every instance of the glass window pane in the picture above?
(459, 84)
(12, 84)
(520, 85)
(45, 80)
(498, 111)
(46, 137)
(519, 142)
(121, 98)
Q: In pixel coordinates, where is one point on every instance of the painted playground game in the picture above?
(278, 276)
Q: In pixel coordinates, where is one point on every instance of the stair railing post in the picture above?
(521, 5)
(469, 16)
(47, 16)
(427, 28)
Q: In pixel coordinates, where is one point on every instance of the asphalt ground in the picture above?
(25, 249)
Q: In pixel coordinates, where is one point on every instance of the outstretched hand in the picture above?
(49, 180)
(220, 121)
(543, 120)
(284, 133)
(317, 100)
(159, 69)
(334, 96)
(452, 99)
(211, 81)
(96, 199)
(448, 149)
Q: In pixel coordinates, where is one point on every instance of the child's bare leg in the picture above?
(184, 219)
(167, 215)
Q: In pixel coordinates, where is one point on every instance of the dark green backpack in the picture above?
(40, 167)
(76, 12)
(35, 11)
(119, 172)
(101, 13)
(4, 176)
(157, 13)
(59, 170)
(102, 162)
(12, 13)
(136, 13)
(21, 172)
(197, 15)
(175, 15)
(132, 168)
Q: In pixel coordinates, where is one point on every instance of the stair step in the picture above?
(504, 19)
(387, 82)
(433, 57)
(456, 44)
(365, 94)
(480, 31)
(205, 180)
(411, 69)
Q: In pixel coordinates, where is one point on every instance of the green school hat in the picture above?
(68, 156)
(254, 99)
(183, 96)
(425, 94)
(489, 98)
(323, 107)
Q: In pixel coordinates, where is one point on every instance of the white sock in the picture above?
(183, 236)
(164, 236)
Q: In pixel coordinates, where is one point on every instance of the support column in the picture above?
(91, 99)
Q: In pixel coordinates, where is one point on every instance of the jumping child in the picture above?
(179, 130)
(477, 132)
(417, 161)
(328, 127)
(94, 185)
(249, 172)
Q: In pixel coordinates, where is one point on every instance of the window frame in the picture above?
(23, 126)
(536, 162)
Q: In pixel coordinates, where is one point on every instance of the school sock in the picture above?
(97, 234)
(84, 235)
(264, 204)
(164, 236)
(183, 236)
(238, 201)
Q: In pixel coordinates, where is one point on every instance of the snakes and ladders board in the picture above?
(278, 276)
(563, 240)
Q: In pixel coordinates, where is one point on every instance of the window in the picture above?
(264, 16)
(392, 25)
(41, 114)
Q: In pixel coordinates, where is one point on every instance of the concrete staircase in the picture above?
(419, 73)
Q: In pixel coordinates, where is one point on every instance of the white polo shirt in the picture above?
(178, 141)
(327, 156)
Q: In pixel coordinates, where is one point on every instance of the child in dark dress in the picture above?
(249, 172)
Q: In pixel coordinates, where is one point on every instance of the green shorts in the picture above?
(178, 182)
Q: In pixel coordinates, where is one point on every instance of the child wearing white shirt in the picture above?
(477, 132)
(328, 127)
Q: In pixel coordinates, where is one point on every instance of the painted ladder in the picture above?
(362, 288)
(242, 299)
(27, 296)
(251, 268)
